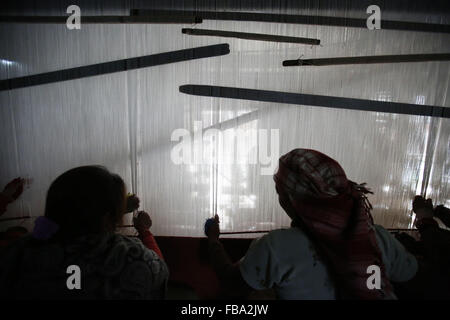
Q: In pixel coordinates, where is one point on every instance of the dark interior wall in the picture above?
(437, 11)
(189, 265)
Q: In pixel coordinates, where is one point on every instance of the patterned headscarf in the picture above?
(336, 213)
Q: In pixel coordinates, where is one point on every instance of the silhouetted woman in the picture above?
(332, 248)
(83, 207)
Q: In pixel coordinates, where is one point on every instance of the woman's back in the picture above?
(112, 266)
(286, 260)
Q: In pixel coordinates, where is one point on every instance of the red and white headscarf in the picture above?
(336, 213)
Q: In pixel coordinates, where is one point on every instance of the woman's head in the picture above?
(309, 174)
(335, 213)
(309, 178)
(86, 200)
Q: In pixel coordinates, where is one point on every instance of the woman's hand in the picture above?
(212, 229)
(142, 222)
(423, 208)
(132, 203)
(14, 189)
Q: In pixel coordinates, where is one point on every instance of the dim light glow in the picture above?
(7, 62)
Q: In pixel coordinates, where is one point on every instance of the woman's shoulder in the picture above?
(142, 273)
(286, 233)
(133, 248)
(384, 238)
(284, 238)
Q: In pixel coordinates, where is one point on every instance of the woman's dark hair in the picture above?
(85, 200)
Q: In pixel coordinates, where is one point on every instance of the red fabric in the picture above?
(149, 241)
(10, 236)
(336, 213)
(189, 262)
